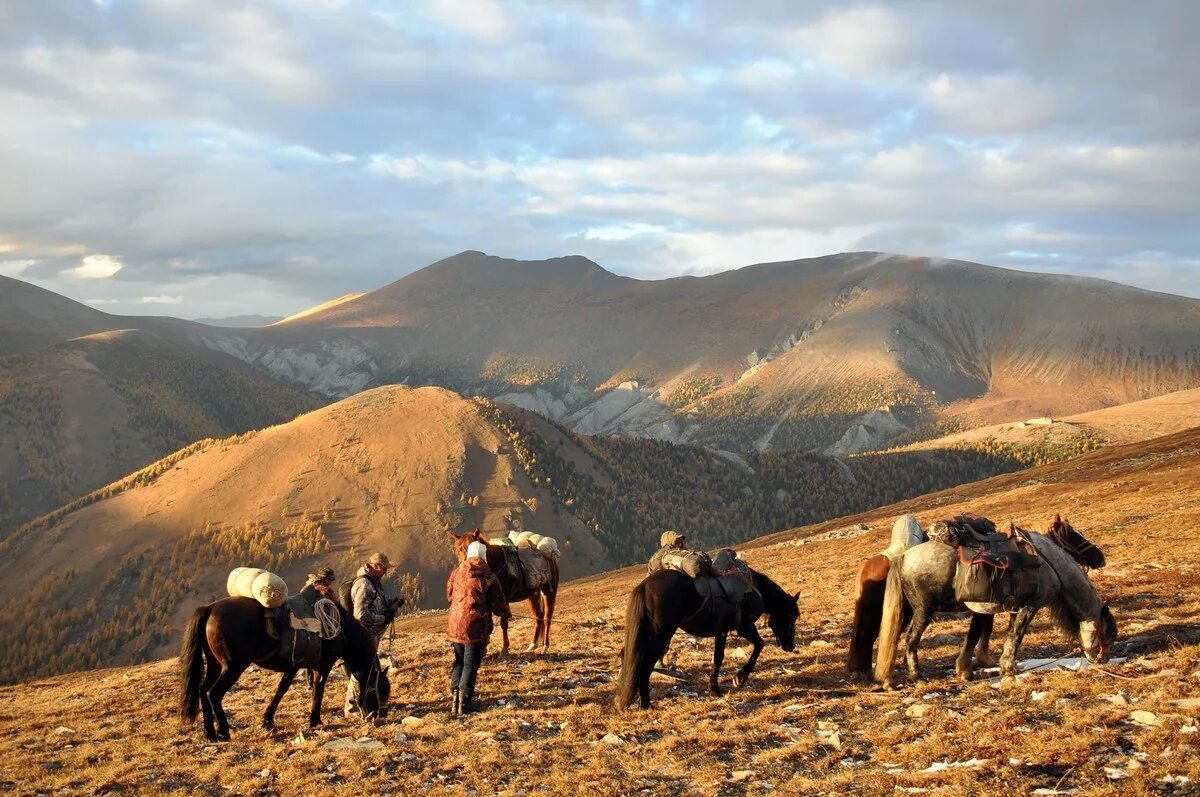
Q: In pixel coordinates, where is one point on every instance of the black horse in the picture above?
(667, 600)
(226, 637)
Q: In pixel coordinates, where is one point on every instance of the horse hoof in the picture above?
(531, 649)
(739, 681)
(268, 726)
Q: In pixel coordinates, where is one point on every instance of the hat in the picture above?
(324, 574)
(477, 550)
(380, 558)
(669, 538)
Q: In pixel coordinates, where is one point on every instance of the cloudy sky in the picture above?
(211, 157)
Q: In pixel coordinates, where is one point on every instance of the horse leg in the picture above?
(752, 636)
(211, 671)
(963, 666)
(718, 658)
(1016, 632)
(920, 621)
(285, 683)
(982, 654)
(551, 597)
(319, 679)
(503, 655)
(216, 694)
(535, 603)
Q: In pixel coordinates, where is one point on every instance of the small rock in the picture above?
(738, 775)
(412, 721)
(820, 643)
(1035, 695)
(611, 738)
(401, 737)
(1119, 699)
(1187, 703)
(917, 710)
(366, 743)
(1144, 717)
(264, 773)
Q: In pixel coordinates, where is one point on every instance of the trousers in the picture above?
(467, 658)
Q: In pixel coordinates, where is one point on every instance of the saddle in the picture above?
(512, 563)
(729, 581)
(993, 567)
(299, 631)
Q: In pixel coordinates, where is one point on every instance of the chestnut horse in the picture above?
(872, 579)
(541, 599)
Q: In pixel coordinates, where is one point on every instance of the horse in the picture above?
(906, 532)
(667, 600)
(222, 639)
(541, 599)
(924, 575)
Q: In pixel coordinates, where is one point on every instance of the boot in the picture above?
(456, 703)
(468, 705)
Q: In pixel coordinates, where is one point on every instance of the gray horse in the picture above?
(924, 574)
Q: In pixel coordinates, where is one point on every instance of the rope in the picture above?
(330, 617)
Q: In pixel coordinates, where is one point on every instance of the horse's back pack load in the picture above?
(693, 563)
(992, 567)
(261, 585)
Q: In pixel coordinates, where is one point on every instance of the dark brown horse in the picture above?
(872, 579)
(224, 638)
(541, 599)
(667, 600)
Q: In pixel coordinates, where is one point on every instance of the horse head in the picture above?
(374, 689)
(782, 621)
(1097, 636)
(461, 541)
(1071, 540)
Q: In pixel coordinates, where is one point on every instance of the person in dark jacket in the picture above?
(474, 595)
(371, 608)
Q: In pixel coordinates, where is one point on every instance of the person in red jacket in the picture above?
(474, 595)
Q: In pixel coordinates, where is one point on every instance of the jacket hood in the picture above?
(476, 567)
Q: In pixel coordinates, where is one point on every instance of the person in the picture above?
(668, 542)
(372, 609)
(319, 585)
(474, 595)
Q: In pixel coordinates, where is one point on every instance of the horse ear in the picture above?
(1057, 518)
(796, 598)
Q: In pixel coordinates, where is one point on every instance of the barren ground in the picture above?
(797, 728)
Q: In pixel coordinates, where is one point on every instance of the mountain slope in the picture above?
(85, 412)
(32, 317)
(839, 353)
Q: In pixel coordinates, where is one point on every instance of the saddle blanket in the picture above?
(537, 566)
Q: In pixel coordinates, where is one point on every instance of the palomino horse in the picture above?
(924, 575)
(907, 532)
(667, 600)
(226, 637)
(516, 589)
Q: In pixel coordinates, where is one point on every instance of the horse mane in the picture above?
(356, 638)
(1064, 619)
(773, 594)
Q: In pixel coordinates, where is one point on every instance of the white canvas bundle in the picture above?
(548, 546)
(261, 585)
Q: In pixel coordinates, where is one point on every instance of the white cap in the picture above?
(477, 550)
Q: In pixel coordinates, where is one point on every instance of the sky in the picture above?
(210, 157)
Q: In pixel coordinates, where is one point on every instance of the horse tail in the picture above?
(191, 664)
(637, 648)
(868, 608)
(891, 621)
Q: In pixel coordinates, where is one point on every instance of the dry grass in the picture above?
(797, 728)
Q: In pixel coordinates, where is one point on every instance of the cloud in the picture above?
(96, 267)
(260, 158)
(14, 268)
(160, 299)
